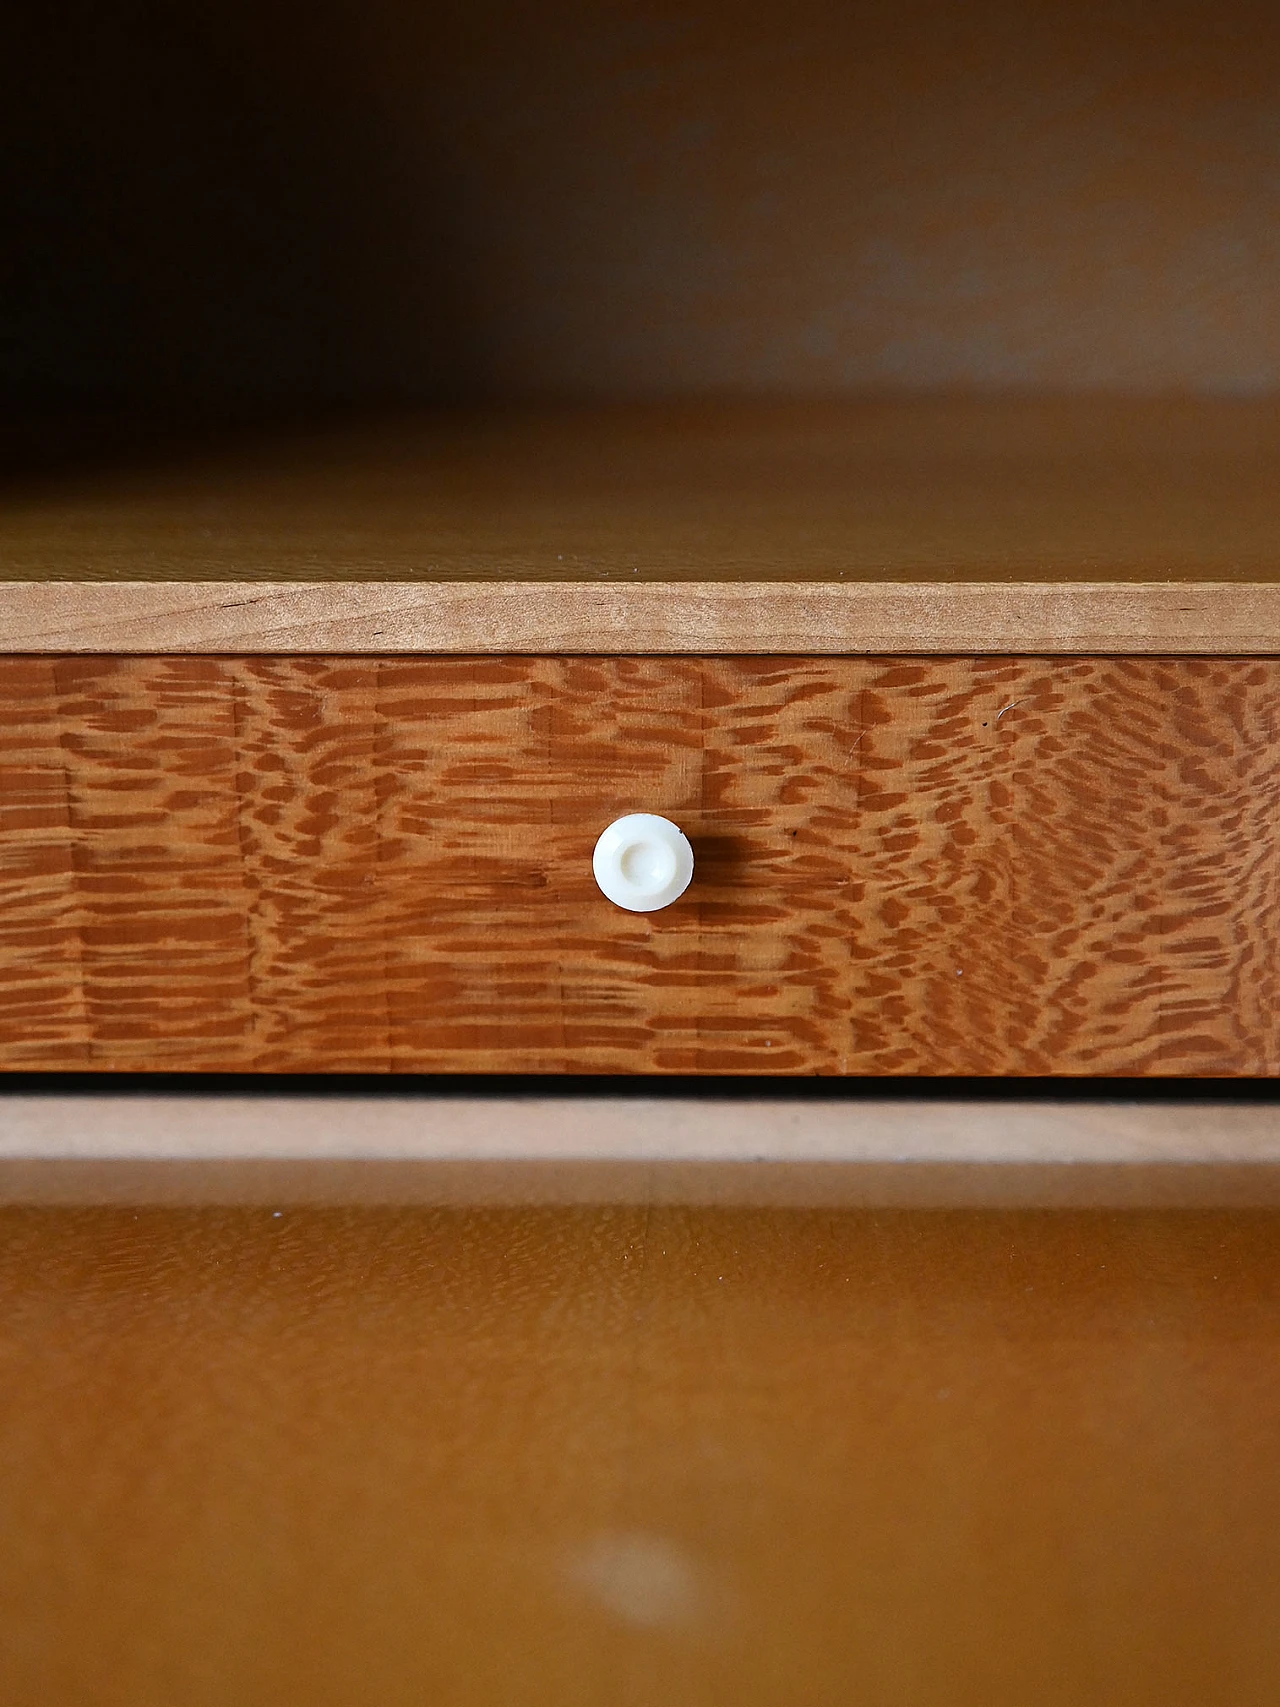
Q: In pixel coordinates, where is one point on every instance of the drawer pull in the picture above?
(643, 862)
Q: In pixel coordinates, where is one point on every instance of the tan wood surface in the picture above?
(924, 490)
(958, 866)
(942, 489)
(937, 525)
(639, 1455)
(561, 617)
(70, 1145)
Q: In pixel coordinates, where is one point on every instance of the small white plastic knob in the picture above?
(643, 862)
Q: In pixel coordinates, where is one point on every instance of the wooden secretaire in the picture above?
(969, 712)
(432, 434)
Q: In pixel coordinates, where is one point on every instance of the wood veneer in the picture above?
(1003, 865)
(926, 525)
(230, 618)
(82, 1142)
(924, 490)
(644, 1454)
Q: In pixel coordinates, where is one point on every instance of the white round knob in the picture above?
(643, 862)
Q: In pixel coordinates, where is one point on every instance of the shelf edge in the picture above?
(510, 1150)
(1190, 618)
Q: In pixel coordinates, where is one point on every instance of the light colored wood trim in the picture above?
(693, 617)
(293, 1149)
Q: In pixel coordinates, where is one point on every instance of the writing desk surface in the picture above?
(639, 1454)
(941, 524)
(919, 491)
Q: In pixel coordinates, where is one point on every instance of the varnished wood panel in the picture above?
(959, 866)
(929, 490)
(639, 1455)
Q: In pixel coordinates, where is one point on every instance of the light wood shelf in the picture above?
(93, 1148)
(927, 525)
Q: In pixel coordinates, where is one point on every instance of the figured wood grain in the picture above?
(641, 1454)
(1000, 865)
(925, 490)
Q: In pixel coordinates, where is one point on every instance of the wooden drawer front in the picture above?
(991, 865)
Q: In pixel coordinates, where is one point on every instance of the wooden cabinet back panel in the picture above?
(941, 866)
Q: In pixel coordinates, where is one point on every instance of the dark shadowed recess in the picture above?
(732, 1087)
(262, 208)
(204, 235)
(200, 203)
(201, 207)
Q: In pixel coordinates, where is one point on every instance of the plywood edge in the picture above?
(294, 1149)
(668, 617)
